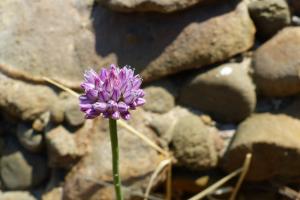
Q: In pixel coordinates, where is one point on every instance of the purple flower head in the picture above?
(111, 93)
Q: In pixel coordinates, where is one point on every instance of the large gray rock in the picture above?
(24, 100)
(91, 178)
(274, 142)
(158, 100)
(226, 92)
(159, 45)
(193, 144)
(21, 170)
(276, 64)
(164, 6)
(269, 16)
(47, 38)
(16, 196)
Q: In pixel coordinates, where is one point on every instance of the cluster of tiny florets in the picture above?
(111, 93)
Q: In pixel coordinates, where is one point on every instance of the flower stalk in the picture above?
(115, 158)
(112, 93)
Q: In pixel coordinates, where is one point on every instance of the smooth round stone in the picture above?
(21, 170)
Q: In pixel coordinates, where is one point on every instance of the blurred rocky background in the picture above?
(222, 79)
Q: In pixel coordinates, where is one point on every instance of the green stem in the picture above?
(115, 157)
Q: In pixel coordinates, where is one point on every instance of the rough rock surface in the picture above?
(40, 124)
(276, 64)
(159, 45)
(226, 92)
(269, 16)
(193, 144)
(16, 196)
(73, 115)
(164, 6)
(89, 178)
(64, 148)
(274, 142)
(67, 109)
(158, 100)
(29, 139)
(164, 124)
(47, 38)
(23, 100)
(21, 170)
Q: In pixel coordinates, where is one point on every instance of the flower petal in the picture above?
(87, 86)
(116, 95)
(92, 94)
(91, 114)
(115, 115)
(103, 96)
(123, 107)
(100, 106)
(140, 101)
(112, 106)
(85, 107)
(90, 76)
(125, 115)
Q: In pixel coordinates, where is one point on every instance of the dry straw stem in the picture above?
(157, 171)
(290, 193)
(61, 86)
(245, 170)
(216, 185)
(169, 182)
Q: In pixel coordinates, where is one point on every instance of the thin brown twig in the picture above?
(156, 172)
(245, 170)
(169, 182)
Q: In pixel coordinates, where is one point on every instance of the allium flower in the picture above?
(111, 93)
